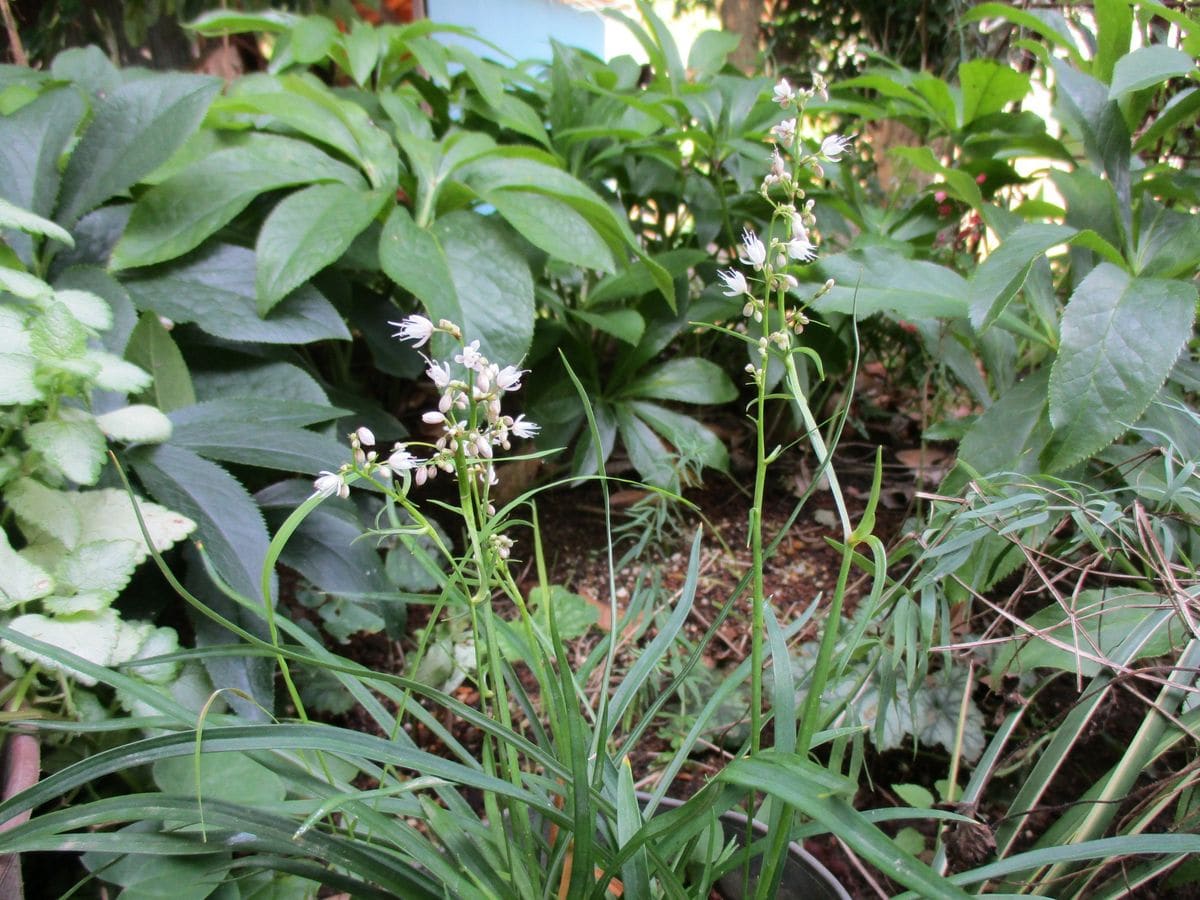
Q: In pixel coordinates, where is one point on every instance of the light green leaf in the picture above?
(215, 288)
(1120, 338)
(875, 280)
(691, 440)
(624, 324)
(17, 383)
(104, 567)
(42, 510)
(312, 37)
(1146, 67)
(710, 50)
(554, 226)
(108, 515)
(362, 47)
(83, 602)
(180, 213)
(136, 424)
(15, 217)
(161, 642)
(93, 636)
(307, 231)
(1114, 29)
(20, 579)
(74, 448)
(23, 285)
(217, 22)
(115, 374)
(988, 86)
(687, 379)
(492, 285)
(89, 309)
(1002, 274)
(134, 130)
(152, 348)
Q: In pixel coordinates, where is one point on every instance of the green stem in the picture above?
(809, 716)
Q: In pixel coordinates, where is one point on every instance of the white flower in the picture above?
(784, 93)
(433, 418)
(365, 436)
(755, 253)
(439, 374)
(735, 282)
(414, 328)
(402, 461)
(785, 132)
(801, 248)
(523, 429)
(820, 88)
(471, 358)
(834, 146)
(799, 230)
(330, 483)
(509, 378)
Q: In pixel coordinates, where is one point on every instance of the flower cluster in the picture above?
(469, 412)
(791, 239)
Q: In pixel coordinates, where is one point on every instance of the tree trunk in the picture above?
(743, 17)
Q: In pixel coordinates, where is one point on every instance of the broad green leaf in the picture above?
(17, 382)
(959, 183)
(20, 579)
(227, 519)
(252, 443)
(988, 86)
(649, 455)
(1120, 338)
(32, 141)
(1146, 67)
(1053, 30)
(94, 280)
(268, 409)
(136, 424)
(94, 636)
(1009, 435)
(687, 379)
(492, 285)
(214, 288)
(305, 232)
(637, 279)
(75, 448)
(115, 374)
(92, 311)
(1169, 245)
(362, 46)
(413, 257)
(274, 380)
(312, 37)
(554, 226)
(691, 440)
(710, 50)
(134, 130)
(624, 324)
(1087, 112)
(1181, 111)
(43, 510)
(23, 285)
(234, 777)
(1114, 30)
(152, 348)
(1002, 274)
(178, 214)
(876, 280)
(232, 21)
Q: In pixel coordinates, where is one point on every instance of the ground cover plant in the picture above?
(505, 285)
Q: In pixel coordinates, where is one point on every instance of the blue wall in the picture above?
(522, 28)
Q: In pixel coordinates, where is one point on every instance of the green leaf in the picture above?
(20, 219)
(136, 424)
(274, 380)
(233, 777)
(687, 379)
(1010, 434)
(362, 46)
(17, 382)
(305, 232)
(94, 636)
(227, 520)
(215, 23)
(74, 448)
(115, 374)
(152, 348)
(214, 288)
(875, 280)
(413, 258)
(1120, 338)
(252, 443)
(89, 309)
(1002, 274)
(1114, 30)
(268, 408)
(101, 566)
(1086, 110)
(134, 130)
(710, 50)
(1181, 111)
(1146, 67)
(554, 226)
(178, 214)
(649, 455)
(624, 324)
(987, 87)
(312, 37)
(122, 314)
(691, 440)
(20, 580)
(492, 285)
(637, 279)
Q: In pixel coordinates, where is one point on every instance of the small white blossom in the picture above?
(820, 88)
(414, 328)
(755, 252)
(834, 146)
(509, 378)
(785, 132)
(523, 429)
(801, 248)
(784, 95)
(433, 417)
(439, 374)
(401, 460)
(471, 358)
(365, 436)
(735, 282)
(330, 483)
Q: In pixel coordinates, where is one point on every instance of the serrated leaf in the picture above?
(115, 374)
(276, 412)
(93, 636)
(92, 311)
(104, 567)
(136, 424)
(227, 519)
(275, 380)
(687, 379)
(17, 382)
(160, 642)
(305, 232)
(152, 348)
(1002, 274)
(1120, 338)
(134, 129)
(214, 288)
(253, 444)
(20, 219)
(20, 580)
(178, 214)
(42, 510)
(94, 280)
(107, 515)
(74, 448)
(82, 602)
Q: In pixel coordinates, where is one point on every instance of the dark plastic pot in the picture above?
(804, 876)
